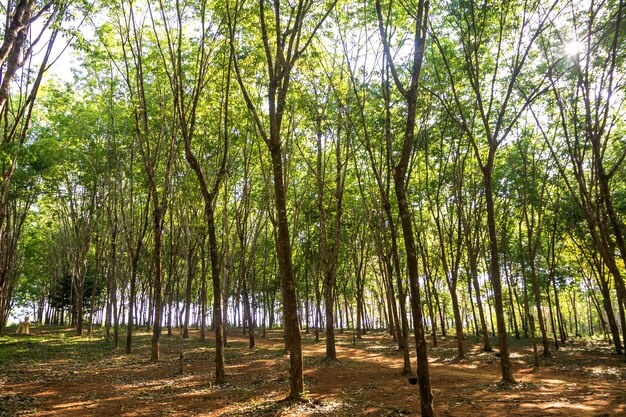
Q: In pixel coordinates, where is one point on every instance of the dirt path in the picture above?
(79, 377)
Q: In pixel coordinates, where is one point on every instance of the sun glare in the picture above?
(572, 48)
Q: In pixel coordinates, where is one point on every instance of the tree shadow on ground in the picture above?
(268, 408)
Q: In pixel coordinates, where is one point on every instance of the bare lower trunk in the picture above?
(157, 290)
(220, 374)
(458, 322)
(481, 312)
(248, 313)
(423, 373)
(203, 296)
(188, 287)
(293, 338)
(496, 281)
(329, 300)
(403, 339)
(131, 304)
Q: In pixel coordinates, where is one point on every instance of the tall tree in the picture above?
(181, 69)
(20, 79)
(585, 115)
(292, 30)
(155, 133)
(419, 15)
(493, 53)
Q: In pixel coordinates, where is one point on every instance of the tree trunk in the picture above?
(479, 303)
(496, 282)
(157, 305)
(293, 338)
(190, 275)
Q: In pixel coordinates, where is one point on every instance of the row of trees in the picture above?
(30, 30)
(416, 166)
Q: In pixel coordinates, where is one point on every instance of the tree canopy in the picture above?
(422, 167)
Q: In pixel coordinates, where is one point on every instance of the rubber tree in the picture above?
(410, 94)
(292, 29)
(492, 40)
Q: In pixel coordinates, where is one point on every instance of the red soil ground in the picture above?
(582, 379)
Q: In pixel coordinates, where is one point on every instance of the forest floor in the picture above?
(52, 372)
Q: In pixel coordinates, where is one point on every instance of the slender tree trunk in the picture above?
(329, 300)
(479, 303)
(131, 302)
(190, 275)
(531, 319)
(94, 286)
(496, 281)
(552, 321)
(157, 305)
(203, 290)
(293, 338)
(220, 374)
